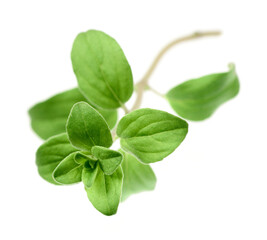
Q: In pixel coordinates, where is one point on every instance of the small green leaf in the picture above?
(82, 157)
(68, 171)
(51, 153)
(102, 70)
(137, 177)
(109, 159)
(48, 118)
(197, 99)
(105, 193)
(151, 135)
(87, 128)
(89, 174)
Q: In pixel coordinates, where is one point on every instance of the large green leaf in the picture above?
(109, 159)
(51, 153)
(197, 99)
(68, 171)
(137, 177)
(87, 128)
(150, 134)
(48, 118)
(102, 70)
(105, 193)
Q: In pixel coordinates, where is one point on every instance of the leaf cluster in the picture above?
(76, 124)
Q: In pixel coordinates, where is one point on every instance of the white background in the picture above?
(213, 187)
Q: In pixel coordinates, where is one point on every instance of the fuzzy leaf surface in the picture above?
(197, 99)
(109, 159)
(151, 135)
(102, 70)
(105, 193)
(89, 174)
(68, 171)
(87, 128)
(51, 153)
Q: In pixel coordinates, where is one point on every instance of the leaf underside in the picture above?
(197, 99)
(137, 178)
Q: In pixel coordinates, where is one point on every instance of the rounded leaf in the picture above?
(87, 128)
(102, 70)
(151, 135)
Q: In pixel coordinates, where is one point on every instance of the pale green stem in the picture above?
(155, 91)
(141, 85)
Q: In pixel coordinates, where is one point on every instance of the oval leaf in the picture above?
(105, 193)
(137, 177)
(48, 118)
(102, 70)
(89, 174)
(197, 99)
(109, 159)
(51, 153)
(150, 134)
(68, 171)
(87, 128)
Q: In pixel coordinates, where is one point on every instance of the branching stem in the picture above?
(143, 83)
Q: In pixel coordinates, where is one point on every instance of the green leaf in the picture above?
(89, 174)
(87, 128)
(197, 99)
(68, 171)
(82, 157)
(105, 193)
(137, 177)
(102, 70)
(109, 159)
(151, 135)
(48, 118)
(111, 116)
(51, 153)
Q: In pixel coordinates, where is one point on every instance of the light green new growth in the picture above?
(76, 123)
(87, 128)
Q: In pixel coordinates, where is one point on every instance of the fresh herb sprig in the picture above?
(77, 123)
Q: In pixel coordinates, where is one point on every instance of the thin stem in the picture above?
(114, 135)
(125, 109)
(142, 84)
(155, 91)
